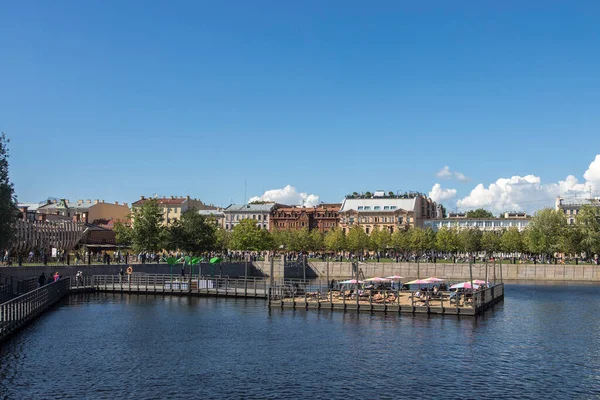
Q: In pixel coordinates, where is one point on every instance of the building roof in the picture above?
(164, 201)
(353, 204)
(216, 213)
(251, 207)
(30, 206)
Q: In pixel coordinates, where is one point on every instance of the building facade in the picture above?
(483, 224)
(391, 212)
(173, 207)
(260, 212)
(571, 207)
(324, 217)
(89, 212)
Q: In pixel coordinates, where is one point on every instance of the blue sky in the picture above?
(113, 99)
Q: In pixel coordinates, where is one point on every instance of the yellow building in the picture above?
(173, 207)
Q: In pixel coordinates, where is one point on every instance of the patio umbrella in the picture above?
(418, 282)
(352, 281)
(464, 285)
(215, 260)
(394, 277)
(377, 279)
(480, 282)
(434, 279)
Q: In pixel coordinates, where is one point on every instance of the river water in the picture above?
(542, 342)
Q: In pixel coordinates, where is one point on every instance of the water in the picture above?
(543, 342)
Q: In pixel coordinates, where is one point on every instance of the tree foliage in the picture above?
(545, 232)
(587, 225)
(123, 233)
(147, 232)
(511, 240)
(8, 201)
(357, 240)
(480, 213)
(193, 233)
(248, 236)
(335, 240)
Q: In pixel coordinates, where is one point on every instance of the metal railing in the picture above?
(160, 283)
(15, 313)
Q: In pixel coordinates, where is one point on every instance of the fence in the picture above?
(16, 313)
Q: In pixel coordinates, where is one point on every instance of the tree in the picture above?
(446, 240)
(469, 240)
(303, 240)
(401, 240)
(479, 213)
(490, 242)
(587, 225)
(147, 230)
(335, 240)
(357, 240)
(544, 233)
(123, 233)
(247, 236)
(193, 233)
(223, 238)
(511, 240)
(317, 241)
(380, 239)
(420, 240)
(8, 201)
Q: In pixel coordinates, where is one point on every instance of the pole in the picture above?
(418, 269)
(304, 268)
(471, 271)
(486, 272)
(246, 268)
(501, 271)
(495, 270)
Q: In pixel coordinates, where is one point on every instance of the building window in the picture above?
(367, 208)
(259, 217)
(367, 230)
(360, 208)
(376, 208)
(392, 207)
(386, 207)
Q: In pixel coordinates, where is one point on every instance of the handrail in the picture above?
(17, 312)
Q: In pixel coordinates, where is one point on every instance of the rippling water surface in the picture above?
(543, 342)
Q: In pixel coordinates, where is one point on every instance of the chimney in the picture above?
(125, 204)
(88, 201)
(96, 201)
(172, 197)
(79, 202)
(142, 198)
(187, 198)
(102, 201)
(116, 203)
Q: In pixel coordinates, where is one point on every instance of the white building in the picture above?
(571, 207)
(483, 224)
(234, 213)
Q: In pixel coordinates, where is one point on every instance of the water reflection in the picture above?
(542, 342)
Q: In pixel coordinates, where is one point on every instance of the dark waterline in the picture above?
(542, 342)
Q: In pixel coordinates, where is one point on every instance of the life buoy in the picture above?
(129, 270)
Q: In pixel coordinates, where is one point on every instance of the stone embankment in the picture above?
(510, 272)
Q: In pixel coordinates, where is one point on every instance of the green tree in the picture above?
(8, 201)
(469, 240)
(511, 240)
(479, 213)
(587, 225)
(545, 232)
(123, 233)
(147, 230)
(247, 236)
(304, 240)
(446, 240)
(193, 233)
(572, 241)
(491, 242)
(317, 241)
(401, 240)
(420, 240)
(223, 238)
(335, 240)
(380, 239)
(357, 240)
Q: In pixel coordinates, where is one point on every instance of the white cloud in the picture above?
(438, 194)
(528, 192)
(288, 195)
(445, 173)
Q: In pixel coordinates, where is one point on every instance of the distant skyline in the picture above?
(491, 105)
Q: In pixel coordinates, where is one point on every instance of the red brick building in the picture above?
(323, 217)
